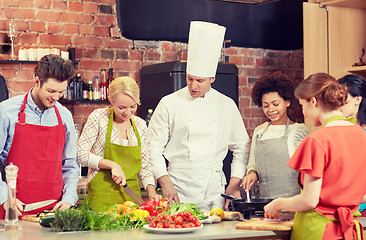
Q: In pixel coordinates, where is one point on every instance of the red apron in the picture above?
(37, 152)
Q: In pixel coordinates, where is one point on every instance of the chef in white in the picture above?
(194, 127)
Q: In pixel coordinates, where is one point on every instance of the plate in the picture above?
(172, 230)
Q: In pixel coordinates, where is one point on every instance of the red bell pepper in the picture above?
(150, 206)
(163, 203)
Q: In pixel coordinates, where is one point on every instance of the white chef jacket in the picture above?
(194, 134)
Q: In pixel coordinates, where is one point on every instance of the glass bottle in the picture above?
(90, 90)
(148, 116)
(96, 92)
(11, 217)
(110, 75)
(103, 85)
(85, 89)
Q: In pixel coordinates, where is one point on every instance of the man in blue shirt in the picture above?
(38, 136)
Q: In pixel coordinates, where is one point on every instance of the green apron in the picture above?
(311, 224)
(102, 190)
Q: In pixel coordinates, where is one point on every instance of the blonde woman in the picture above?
(114, 145)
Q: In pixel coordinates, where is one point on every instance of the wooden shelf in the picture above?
(357, 69)
(18, 61)
(343, 3)
(83, 101)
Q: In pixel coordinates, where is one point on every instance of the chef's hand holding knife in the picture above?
(249, 180)
(233, 189)
(168, 189)
(117, 173)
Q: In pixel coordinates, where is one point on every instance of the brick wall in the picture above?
(90, 26)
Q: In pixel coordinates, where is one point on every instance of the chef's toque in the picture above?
(204, 48)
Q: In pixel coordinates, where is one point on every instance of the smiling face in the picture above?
(275, 108)
(199, 86)
(124, 107)
(45, 96)
(350, 109)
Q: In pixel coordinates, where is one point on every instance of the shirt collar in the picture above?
(207, 95)
(31, 104)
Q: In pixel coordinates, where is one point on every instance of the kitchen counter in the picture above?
(223, 230)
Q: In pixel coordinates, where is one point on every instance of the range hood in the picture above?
(252, 2)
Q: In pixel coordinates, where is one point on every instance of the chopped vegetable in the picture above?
(163, 203)
(186, 207)
(150, 206)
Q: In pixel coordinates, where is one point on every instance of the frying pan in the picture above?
(245, 207)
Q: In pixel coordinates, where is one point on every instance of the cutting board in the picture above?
(265, 224)
(31, 218)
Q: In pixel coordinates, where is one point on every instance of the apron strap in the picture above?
(21, 114)
(339, 117)
(110, 125)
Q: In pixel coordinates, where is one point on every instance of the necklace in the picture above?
(339, 117)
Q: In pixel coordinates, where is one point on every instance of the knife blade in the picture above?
(36, 205)
(132, 194)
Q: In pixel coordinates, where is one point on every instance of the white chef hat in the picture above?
(204, 48)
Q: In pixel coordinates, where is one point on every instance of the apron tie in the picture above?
(348, 223)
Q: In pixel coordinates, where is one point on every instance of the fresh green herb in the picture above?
(68, 220)
(187, 207)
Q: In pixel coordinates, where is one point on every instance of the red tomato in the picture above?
(185, 225)
(159, 225)
(153, 212)
(180, 214)
(178, 226)
(192, 219)
(171, 225)
(187, 214)
(198, 224)
(152, 225)
(178, 220)
(149, 219)
(160, 217)
(191, 225)
(173, 217)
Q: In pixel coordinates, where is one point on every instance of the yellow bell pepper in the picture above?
(139, 214)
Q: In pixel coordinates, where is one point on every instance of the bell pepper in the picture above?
(150, 206)
(139, 214)
(163, 204)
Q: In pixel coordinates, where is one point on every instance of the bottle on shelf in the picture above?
(77, 88)
(90, 90)
(96, 91)
(110, 75)
(85, 89)
(103, 85)
(70, 90)
(148, 116)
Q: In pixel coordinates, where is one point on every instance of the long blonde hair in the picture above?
(124, 85)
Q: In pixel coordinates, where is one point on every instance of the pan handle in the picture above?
(228, 196)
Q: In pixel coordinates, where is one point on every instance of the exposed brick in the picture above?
(9, 73)
(122, 54)
(86, 29)
(19, 13)
(76, 18)
(28, 3)
(90, 53)
(54, 27)
(125, 65)
(117, 43)
(50, 39)
(59, 5)
(105, 20)
(152, 55)
(231, 51)
(107, 9)
(90, 7)
(9, 3)
(107, 54)
(115, 32)
(49, 16)
(93, 65)
(237, 60)
(71, 28)
(135, 55)
(20, 86)
(37, 26)
(105, 1)
(44, 4)
(169, 57)
(28, 38)
(87, 41)
(102, 31)
(75, 6)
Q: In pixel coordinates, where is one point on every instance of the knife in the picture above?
(132, 194)
(36, 205)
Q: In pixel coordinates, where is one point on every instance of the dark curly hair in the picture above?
(323, 87)
(356, 85)
(273, 82)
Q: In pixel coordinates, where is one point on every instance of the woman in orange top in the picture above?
(330, 161)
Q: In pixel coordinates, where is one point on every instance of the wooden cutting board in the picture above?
(265, 224)
(31, 218)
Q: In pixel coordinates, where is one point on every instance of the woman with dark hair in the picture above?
(356, 102)
(329, 161)
(274, 141)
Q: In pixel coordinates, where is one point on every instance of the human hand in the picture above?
(152, 193)
(118, 175)
(61, 206)
(272, 209)
(233, 189)
(249, 180)
(168, 189)
(19, 206)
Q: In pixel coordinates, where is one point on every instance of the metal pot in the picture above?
(245, 207)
